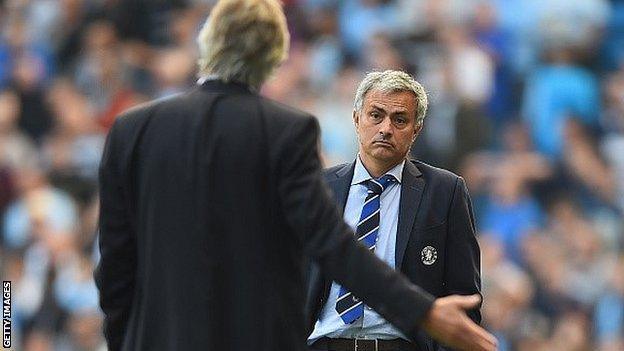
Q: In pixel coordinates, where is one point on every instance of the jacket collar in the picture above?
(412, 187)
(411, 193)
(360, 173)
(215, 84)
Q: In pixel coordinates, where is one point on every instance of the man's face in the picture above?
(386, 126)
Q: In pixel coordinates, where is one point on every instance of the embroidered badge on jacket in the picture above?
(429, 255)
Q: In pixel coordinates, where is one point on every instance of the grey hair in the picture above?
(392, 81)
(243, 41)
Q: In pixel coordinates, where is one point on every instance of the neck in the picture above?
(376, 168)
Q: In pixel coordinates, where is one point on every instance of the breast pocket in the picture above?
(426, 257)
(430, 241)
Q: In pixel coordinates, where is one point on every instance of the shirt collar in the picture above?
(360, 174)
(204, 79)
(215, 77)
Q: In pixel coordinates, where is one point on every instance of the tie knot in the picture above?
(377, 186)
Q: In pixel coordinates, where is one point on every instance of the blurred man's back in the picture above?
(216, 267)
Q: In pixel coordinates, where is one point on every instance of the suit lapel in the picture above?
(341, 183)
(411, 193)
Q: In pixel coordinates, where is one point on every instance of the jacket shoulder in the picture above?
(330, 173)
(285, 125)
(282, 109)
(140, 113)
(436, 174)
(284, 115)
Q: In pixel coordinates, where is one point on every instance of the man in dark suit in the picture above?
(211, 199)
(423, 224)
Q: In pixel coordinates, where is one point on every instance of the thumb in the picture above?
(468, 302)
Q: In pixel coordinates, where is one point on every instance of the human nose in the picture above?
(385, 127)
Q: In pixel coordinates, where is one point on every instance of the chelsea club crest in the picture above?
(428, 255)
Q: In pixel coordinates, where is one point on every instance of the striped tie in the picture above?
(349, 307)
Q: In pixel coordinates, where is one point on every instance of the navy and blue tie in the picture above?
(349, 307)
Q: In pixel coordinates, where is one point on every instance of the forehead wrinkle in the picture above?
(395, 101)
(394, 110)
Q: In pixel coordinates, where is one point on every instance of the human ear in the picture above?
(417, 130)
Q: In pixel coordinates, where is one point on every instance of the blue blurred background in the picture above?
(527, 103)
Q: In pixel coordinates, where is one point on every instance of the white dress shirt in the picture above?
(371, 325)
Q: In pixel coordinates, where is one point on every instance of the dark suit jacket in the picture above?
(209, 203)
(435, 210)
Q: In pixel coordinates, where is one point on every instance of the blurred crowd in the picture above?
(527, 103)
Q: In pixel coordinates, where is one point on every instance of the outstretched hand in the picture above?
(448, 323)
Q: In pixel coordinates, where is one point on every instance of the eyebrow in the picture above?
(377, 107)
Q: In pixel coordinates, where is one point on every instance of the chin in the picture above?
(386, 157)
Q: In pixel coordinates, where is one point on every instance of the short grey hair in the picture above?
(392, 81)
(243, 41)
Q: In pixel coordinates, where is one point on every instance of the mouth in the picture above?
(383, 143)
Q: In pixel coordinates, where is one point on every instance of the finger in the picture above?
(486, 340)
(471, 338)
(481, 333)
(468, 302)
(477, 342)
(491, 340)
(487, 344)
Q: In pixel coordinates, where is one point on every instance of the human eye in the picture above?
(375, 115)
(400, 121)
